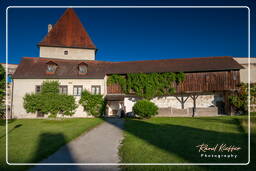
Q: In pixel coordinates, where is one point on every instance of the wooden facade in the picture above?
(200, 82)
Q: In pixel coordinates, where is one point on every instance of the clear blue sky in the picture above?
(136, 34)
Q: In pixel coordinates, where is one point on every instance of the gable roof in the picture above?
(68, 32)
(36, 67)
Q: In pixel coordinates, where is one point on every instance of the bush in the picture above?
(94, 104)
(50, 101)
(240, 99)
(145, 108)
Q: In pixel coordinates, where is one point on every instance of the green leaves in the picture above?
(240, 99)
(50, 101)
(50, 87)
(147, 86)
(145, 108)
(94, 104)
(2, 90)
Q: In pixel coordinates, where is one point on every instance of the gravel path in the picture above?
(100, 145)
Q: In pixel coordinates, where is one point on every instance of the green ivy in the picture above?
(50, 101)
(94, 104)
(240, 99)
(147, 86)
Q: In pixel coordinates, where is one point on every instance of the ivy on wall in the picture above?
(147, 86)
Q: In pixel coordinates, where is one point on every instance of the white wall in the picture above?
(73, 53)
(23, 86)
(244, 72)
(170, 101)
(201, 101)
(129, 102)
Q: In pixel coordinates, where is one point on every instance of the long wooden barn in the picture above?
(216, 77)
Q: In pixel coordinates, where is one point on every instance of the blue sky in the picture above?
(137, 34)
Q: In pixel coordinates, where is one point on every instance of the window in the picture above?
(234, 76)
(82, 68)
(77, 90)
(51, 67)
(65, 52)
(63, 89)
(38, 89)
(95, 90)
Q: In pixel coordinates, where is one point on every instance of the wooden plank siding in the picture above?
(199, 82)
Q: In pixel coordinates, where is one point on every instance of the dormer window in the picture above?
(51, 67)
(82, 67)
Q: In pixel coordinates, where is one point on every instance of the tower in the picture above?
(67, 39)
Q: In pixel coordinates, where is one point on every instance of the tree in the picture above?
(2, 90)
(50, 101)
(240, 99)
(94, 104)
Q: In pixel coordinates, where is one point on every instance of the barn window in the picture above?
(65, 52)
(234, 76)
(51, 67)
(82, 67)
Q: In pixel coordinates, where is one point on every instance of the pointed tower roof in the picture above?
(68, 32)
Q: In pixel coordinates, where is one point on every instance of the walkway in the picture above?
(100, 145)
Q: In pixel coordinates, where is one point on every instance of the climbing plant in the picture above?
(240, 99)
(94, 104)
(149, 85)
(50, 101)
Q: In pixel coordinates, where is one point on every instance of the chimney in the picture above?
(49, 27)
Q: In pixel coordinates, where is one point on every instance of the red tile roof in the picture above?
(68, 32)
(36, 67)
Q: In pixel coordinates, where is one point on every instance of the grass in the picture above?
(174, 140)
(31, 140)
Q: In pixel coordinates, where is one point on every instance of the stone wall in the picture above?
(188, 112)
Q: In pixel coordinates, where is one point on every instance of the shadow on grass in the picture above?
(52, 150)
(15, 127)
(182, 141)
(3, 121)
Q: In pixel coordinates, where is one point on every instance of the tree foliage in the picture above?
(50, 101)
(240, 99)
(2, 90)
(145, 108)
(94, 104)
(147, 86)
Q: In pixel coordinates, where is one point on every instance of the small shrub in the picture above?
(145, 108)
(94, 104)
(240, 99)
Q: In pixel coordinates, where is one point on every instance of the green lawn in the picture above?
(31, 140)
(174, 140)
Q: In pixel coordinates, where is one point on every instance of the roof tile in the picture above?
(68, 32)
(36, 67)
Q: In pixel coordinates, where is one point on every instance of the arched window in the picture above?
(82, 67)
(51, 67)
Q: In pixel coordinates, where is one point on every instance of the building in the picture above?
(11, 70)
(67, 54)
(245, 71)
